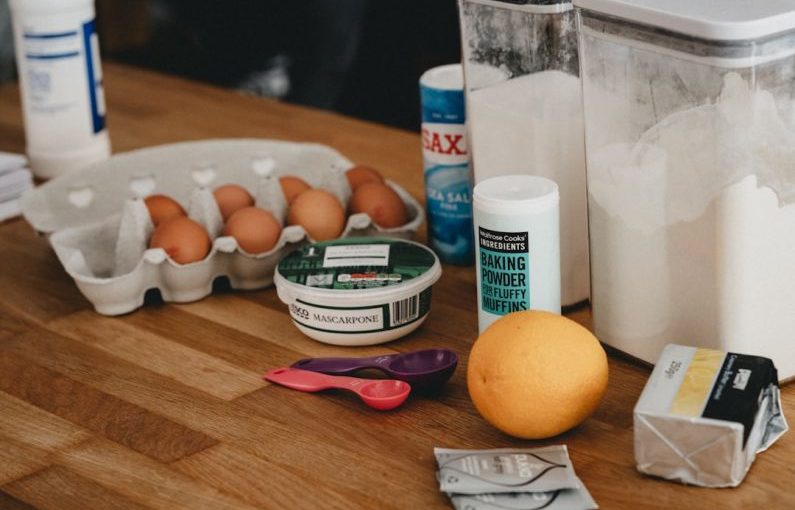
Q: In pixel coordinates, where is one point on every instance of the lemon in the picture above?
(536, 374)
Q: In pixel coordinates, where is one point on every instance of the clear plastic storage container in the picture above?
(524, 110)
(690, 135)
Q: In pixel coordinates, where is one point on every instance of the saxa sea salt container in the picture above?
(690, 147)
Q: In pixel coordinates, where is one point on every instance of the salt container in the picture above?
(690, 135)
(524, 110)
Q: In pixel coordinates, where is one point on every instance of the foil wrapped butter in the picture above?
(705, 414)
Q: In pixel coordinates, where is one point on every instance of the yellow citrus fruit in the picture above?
(536, 374)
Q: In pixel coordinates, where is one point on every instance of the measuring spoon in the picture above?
(381, 394)
(422, 369)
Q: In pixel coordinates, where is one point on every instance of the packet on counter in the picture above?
(565, 499)
(704, 415)
(505, 470)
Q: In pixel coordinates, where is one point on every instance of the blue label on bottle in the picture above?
(442, 106)
(449, 207)
(447, 175)
(95, 92)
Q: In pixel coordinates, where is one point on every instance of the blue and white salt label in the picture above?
(447, 171)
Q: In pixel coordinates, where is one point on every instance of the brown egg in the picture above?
(381, 202)
(292, 187)
(162, 208)
(255, 229)
(230, 198)
(360, 174)
(319, 212)
(184, 240)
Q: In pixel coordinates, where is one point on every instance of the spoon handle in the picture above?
(341, 365)
(305, 380)
(301, 380)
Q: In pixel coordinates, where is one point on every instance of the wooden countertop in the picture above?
(164, 407)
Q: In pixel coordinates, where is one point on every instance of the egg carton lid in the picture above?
(93, 194)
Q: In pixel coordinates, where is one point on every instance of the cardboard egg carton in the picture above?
(99, 225)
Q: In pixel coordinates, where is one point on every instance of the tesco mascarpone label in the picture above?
(342, 320)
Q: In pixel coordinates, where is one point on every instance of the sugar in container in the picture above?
(690, 135)
(524, 110)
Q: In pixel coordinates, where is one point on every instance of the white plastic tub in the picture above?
(690, 139)
(358, 291)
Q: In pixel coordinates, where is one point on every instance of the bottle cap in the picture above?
(515, 194)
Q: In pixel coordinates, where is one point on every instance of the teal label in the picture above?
(504, 271)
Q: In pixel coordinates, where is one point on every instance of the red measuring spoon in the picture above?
(381, 394)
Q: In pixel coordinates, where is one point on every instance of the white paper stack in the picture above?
(15, 178)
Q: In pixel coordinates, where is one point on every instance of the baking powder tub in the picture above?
(517, 233)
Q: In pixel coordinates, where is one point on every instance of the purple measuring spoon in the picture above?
(425, 369)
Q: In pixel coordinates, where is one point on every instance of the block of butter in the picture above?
(704, 415)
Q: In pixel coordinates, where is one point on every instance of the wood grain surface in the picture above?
(164, 408)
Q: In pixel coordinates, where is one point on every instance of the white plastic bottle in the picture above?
(517, 240)
(60, 81)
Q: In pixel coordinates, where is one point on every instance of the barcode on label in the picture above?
(405, 310)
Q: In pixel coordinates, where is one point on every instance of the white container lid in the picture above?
(448, 77)
(722, 20)
(515, 194)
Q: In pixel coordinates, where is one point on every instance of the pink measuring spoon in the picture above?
(381, 394)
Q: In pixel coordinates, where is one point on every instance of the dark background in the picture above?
(358, 57)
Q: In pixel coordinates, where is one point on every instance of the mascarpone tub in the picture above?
(358, 291)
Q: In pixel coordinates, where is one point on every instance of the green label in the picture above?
(356, 263)
(504, 271)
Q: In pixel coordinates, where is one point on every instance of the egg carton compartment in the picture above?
(99, 225)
